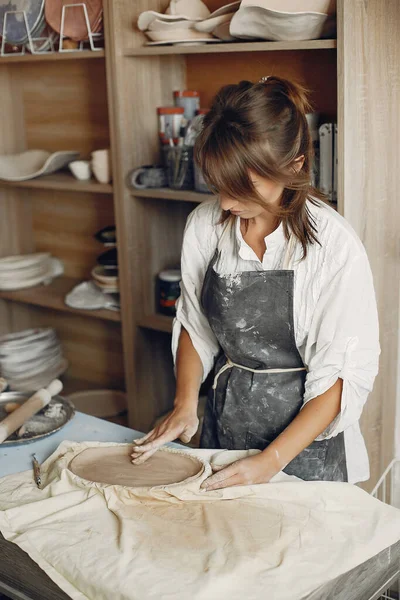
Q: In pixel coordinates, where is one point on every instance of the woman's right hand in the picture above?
(181, 423)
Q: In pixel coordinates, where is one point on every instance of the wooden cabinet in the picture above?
(353, 79)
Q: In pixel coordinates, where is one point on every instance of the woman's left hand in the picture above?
(247, 471)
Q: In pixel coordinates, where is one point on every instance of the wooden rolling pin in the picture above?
(35, 403)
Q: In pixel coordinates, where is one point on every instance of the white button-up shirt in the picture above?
(335, 316)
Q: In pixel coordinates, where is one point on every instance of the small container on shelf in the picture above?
(169, 124)
(168, 291)
(189, 100)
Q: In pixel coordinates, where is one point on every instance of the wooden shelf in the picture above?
(169, 194)
(156, 322)
(63, 182)
(52, 296)
(51, 56)
(232, 47)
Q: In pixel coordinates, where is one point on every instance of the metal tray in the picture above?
(52, 418)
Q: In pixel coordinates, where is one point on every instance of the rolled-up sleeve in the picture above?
(343, 341)
(196, 255)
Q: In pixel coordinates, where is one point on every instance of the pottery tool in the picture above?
(35, 403)
(36, 471)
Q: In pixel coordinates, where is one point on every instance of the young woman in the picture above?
(277, 292)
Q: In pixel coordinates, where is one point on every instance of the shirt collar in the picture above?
(273, 241)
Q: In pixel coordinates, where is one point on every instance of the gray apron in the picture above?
(259, 376)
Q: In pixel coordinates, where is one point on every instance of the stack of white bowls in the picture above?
(19, 272)
(31, 359)
(106, 279)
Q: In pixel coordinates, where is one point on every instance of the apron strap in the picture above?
(229, 364)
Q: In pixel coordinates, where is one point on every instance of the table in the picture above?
(22, 579)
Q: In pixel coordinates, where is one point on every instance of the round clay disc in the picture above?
(112, 465)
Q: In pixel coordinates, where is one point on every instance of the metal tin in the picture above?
(168, 291)
(49, 420)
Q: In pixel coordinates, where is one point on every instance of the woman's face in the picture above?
(270, 191)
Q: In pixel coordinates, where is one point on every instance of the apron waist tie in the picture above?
(229, 364)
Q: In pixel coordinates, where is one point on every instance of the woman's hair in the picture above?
(261, 127)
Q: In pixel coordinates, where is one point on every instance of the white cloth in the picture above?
(335, 315)
(171, 542)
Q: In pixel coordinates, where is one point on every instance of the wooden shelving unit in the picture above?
(59, 102)
(51, 56)
(63, 182)
(335, 71)
(52, 296)
(231, 47)
(92, 103)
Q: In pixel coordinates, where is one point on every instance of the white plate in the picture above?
(27, 282)
(185, 42)
(161, 25)
(22, 261)
(256, 22)
(178, 35)
(208, 25)
(13, 341)
(33, 163)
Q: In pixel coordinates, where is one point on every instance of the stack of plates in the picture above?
(176, 26)
(16, 33)
(31, 359)
(106, 279)
(29, 270)
(218, 23)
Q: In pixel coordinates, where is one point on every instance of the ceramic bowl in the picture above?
(257, 22)
(161, 25)
(178, 35)
(99, 403)
(33, 163)
(194, 10)
(81, 169)
(100, 275)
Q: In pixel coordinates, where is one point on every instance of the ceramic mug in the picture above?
(148, 176)
(81, 169)
(101, 165)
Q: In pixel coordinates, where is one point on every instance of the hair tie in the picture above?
(264, 79)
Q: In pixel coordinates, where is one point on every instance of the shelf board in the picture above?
(169, 194)
(63, 182)
(156, 322)
(52, 296)
(51, 56)
(218, 48)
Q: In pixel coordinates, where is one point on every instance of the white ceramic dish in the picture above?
(54, 269)
(100, 274)
(80, 169)
(161, 25)
(185, 42)
(12, 341)
(223, 32)
(208, 25)
(256, 22)
(327, 7)
(22, 261)
(88, 296)
(191, 10)
(33, 163)
(178, 35)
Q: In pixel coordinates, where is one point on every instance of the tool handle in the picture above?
(33, 405)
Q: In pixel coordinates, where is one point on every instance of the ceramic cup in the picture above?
(101, 165)
(148, 177)
(81, 169)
